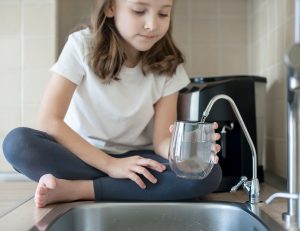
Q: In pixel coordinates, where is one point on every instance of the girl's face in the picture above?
(141, 23)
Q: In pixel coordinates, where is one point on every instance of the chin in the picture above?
(144, 48)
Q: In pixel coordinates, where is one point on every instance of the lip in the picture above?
(148, 36)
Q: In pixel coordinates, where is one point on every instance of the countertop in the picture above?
(17, 210)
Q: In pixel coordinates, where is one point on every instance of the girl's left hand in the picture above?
(216, 137)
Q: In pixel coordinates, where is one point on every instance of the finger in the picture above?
(134, 177)
(217, 148)
(215, 125)
(151, 164)
(143, 171)
(214, 158)
(171, 128)
(216, 136)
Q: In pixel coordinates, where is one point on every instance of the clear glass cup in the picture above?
(192, 149)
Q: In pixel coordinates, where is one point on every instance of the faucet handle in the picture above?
(282, 195)
(286, 216)
(243, 181)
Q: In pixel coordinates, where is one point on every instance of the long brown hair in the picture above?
(107, 55)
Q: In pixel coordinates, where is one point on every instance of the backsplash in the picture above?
(217, 37)
(213, 36)
(271, 34)
(27, 44)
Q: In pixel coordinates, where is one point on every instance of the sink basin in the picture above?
(183, 216)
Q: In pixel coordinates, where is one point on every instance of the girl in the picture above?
(110, 102)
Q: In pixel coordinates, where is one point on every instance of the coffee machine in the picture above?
(249, 93)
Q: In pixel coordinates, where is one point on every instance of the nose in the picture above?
(151, 23)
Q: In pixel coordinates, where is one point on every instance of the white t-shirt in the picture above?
(114, 117)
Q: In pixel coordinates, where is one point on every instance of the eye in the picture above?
(163, 15)
(138, 12)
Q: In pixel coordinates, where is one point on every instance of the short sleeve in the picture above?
(70, 62)
(178, 81)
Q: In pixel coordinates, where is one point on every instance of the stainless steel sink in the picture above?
(200, 216)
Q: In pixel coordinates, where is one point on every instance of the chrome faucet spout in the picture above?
(242, 124)
(254, 183)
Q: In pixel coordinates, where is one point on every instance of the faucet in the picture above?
(251, 186)
(290, 216)
(292, 61)
(293, 134)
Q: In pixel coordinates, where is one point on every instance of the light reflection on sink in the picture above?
(206, 216)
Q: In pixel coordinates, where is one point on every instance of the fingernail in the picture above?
(215, 160)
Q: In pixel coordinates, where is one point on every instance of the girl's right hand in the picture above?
(130, 167)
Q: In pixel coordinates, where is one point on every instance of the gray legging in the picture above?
(35, 153)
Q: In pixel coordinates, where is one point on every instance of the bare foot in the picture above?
(51, 190)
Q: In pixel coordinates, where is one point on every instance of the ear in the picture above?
(110, 10)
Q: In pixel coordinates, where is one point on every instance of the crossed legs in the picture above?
(62, 176)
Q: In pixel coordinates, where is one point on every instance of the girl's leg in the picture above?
(168, 187)
(35, 153)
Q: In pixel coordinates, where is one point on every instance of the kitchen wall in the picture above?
(213, 36)
(27, 45)
(218, 37)
(271, 34)
(71, 14)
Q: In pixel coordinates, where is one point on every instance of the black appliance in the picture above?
(248, 92)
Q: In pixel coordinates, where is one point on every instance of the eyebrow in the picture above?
(146, 4)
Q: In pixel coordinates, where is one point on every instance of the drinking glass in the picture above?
(192, 149)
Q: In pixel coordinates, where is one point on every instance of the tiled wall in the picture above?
(27, 45)
(213, 36)
(68, 22)
(271, 33)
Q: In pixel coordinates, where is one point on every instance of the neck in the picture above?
(129, 63)
(132, 61)
(132, 57)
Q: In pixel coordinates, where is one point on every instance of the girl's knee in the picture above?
(15, 142)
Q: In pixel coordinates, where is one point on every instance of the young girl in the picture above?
(105, 116)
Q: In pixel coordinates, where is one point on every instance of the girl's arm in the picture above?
(165, 115)
(54, 106)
